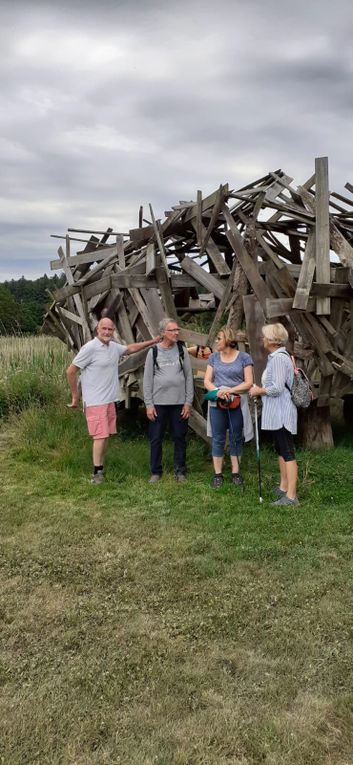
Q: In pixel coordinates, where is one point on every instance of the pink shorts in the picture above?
(101, 420)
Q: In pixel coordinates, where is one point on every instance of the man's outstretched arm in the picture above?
(71, 374)
(134, 347)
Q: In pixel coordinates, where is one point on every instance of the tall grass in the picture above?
(31, 372)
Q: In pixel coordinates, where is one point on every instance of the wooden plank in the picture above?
(142, 308)
(113, 303)
(325, 389)
(281, 306)
(74, 336)
(306, 275)
(150, 259)
(247, 264)
(326, 324)
(166, 293)
(125, 280)
(154, 306)
(341, 246)
(73, 317)
(322, 231)
(141, 235)
(207, 203)
(92, 273)
(159, 239)
(213, 219)
(213, 252)
(307, 198)
(100, 286)
(133, 362)
(198, 424)
(268, 250)
(108, 232)
(210, 282)
(343, 291)
(254, 321)
(198, 365)
(120, 250)
(94, 256)
(193, 338)
(87, 335)
(123, 325)
(277, 186)
(198, 223)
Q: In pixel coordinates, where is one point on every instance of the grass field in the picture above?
(168, 624)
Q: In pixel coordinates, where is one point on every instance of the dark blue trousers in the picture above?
(168, 414)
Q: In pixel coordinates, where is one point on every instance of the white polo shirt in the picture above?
(99, 371)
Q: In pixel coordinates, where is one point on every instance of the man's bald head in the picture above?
(105, 330)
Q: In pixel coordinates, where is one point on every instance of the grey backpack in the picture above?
(301, 393)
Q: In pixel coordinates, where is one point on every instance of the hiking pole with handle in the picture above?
(257, 444)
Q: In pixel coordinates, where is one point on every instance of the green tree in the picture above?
(9, 312)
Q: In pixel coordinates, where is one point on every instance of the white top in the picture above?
(99, 371)
(278, 410)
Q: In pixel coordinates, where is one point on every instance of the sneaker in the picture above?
(217, 481)
(97, 477)
(180, 478)
(285, 501)
(278, 492)
(237, 479)
(155, 477)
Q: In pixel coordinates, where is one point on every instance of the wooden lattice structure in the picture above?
(268, 251)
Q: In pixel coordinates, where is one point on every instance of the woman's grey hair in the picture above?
(162, 326)
(275, 334)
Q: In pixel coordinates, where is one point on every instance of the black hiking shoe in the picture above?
(217, 481)
(237, 479)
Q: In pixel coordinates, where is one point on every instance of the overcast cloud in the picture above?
(106, 106)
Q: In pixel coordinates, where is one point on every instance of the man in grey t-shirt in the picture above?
(98, 361)
(168, 393)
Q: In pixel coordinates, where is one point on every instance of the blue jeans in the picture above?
(221, 421)
(168, 413)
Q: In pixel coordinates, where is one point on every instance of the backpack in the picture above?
(301, 393)
(181, 356)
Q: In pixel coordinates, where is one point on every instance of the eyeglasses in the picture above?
(173, 330)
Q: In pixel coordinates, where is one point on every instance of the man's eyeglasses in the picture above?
(173, 330)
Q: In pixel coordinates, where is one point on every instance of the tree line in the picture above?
(23, 303)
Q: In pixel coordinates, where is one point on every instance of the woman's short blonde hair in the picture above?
(275, 334)
(229, 336)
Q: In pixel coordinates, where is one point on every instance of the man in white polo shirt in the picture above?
(98, 361)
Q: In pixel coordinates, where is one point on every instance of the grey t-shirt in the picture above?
(168, 383)
(99, 371)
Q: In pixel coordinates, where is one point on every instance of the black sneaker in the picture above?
(217, 481)
(237, 479)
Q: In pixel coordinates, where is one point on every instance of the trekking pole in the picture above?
(257, 443)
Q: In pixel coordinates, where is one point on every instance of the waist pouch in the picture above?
(231, 403)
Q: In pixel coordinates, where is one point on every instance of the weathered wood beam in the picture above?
(212, 251)
(209, 281)
(306, 273)
(322, 231)
(150, 259)
(247, 264)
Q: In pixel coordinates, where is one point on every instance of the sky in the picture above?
(105, 106)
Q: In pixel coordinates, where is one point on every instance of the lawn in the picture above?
(169, 624)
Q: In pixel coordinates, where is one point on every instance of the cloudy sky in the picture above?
(108, 105)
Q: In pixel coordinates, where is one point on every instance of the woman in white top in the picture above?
(279, 414)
